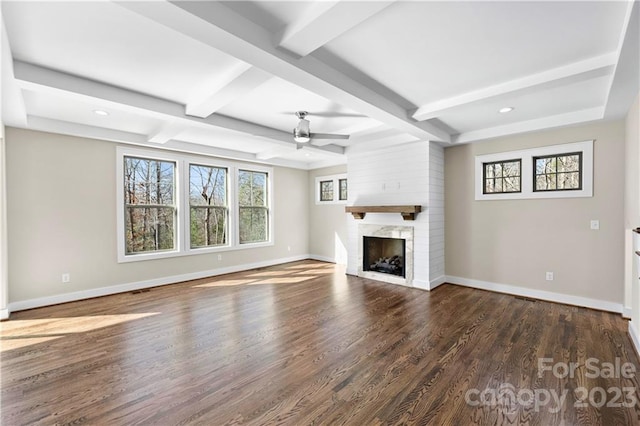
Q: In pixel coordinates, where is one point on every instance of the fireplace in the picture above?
(384, 255)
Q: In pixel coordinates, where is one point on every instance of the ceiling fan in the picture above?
(302, 134)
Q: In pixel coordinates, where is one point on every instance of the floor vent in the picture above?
(144, 290)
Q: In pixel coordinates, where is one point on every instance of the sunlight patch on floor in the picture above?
(269, 274)
(308, 265)
(20, 333)
(224, 283)
(315, 271)
(283, 280)
(7, 344)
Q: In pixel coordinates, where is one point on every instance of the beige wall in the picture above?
(327, 222)
(4, 275)
(515, 242)
(62, 218)
(632, 213)
(632, 169)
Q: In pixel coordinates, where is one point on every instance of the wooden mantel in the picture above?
(407, 212)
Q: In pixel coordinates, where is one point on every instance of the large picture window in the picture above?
(175, 204)
(208, 206)
(149, 204)
(253, 207)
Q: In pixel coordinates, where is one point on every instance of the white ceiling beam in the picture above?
(268, 154)
(13, 111)
(241, 81)
(625, 81)
(36, 78)
(569, 74)
(330, 150)
(216, 25)
(33, 77)
(552, 121)
(93, 132)
(325, 20)
(167, 131)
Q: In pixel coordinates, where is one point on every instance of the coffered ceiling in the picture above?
(226, 78)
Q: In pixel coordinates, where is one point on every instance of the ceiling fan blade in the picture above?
(328, 114)
(328, 136)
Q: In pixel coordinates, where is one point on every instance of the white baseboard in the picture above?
(421, 284)
(122, 288)
(322, 258)
(437, 282)
(538, 294)
(4, 314)
(635, 339)
(626, 312)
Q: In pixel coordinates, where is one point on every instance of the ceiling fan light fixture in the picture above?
(299, 137)
(301, 133)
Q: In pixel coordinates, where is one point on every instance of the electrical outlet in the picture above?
(549, 276)
(66, 277)
(595, 225)
(288, 248)
(219, 257)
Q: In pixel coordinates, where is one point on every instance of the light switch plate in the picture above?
(595, 224)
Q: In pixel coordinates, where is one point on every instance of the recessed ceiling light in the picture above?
(307, 155)
(506, 110)
(100, 112)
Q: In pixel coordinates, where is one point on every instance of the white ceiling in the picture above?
(225, 78)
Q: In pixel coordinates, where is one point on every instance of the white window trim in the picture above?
(236, 209)
(336, 189)
(526, 172)
(186, 229)
(182, 232)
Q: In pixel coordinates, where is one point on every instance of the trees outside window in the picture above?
(331, 189)
(150, 210)
(343, 189)
(253, 206)
(549, 171)
(172, 204)
(502, 176)
(208, 206)
(326, 190)
(558, 172)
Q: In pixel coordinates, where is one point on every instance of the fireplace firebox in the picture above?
(384, 255)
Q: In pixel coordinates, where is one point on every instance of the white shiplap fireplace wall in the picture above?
(409, 174)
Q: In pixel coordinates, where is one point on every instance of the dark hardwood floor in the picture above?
(302, 344)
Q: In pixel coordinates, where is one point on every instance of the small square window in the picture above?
(501, 177)
(326, 190)
(561, 172)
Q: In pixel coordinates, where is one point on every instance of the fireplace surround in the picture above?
(403, 233)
